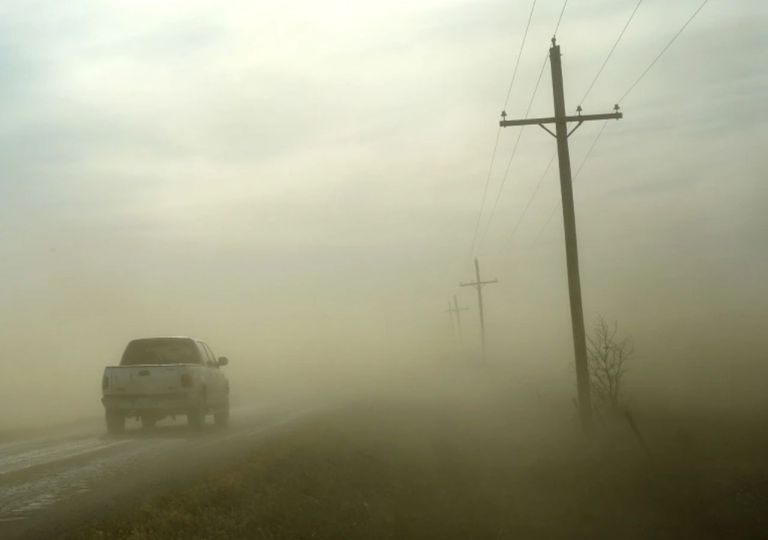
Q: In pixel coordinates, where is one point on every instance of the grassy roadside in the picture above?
(419, 469)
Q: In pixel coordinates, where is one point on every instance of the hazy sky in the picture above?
(282, 176)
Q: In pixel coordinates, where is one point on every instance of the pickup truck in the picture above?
(165, 376)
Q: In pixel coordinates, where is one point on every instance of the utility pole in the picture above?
(560, 120)
(478, 283)
(449, 311)
(457, 310)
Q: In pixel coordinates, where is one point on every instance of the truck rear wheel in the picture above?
(221, 417)
(115, 421)
(195, 418)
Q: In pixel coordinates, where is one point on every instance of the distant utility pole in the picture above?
(449, 311)
(569, 219)
(457, 311)
(478, 283)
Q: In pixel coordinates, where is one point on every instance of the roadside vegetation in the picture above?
(608, 355)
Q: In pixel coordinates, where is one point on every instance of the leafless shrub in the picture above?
(608, 355)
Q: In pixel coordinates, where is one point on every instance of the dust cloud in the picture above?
(298, 186)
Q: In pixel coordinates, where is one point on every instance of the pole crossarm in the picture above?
(527, 121)
(551, 119)
(476, 283)
(456, 310)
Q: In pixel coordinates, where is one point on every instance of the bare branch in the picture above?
(607, 355)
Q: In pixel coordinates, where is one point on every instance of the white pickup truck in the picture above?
(165, 376)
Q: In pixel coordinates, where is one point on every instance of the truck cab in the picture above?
(165, 376)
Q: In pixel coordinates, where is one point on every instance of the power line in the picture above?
(514, 150)
(498, 134)
(610, 53)
(519, 54)
(560, 18)
(485, 193)
(533, 196)
(528, 204)
(661, 53)
(520, 133)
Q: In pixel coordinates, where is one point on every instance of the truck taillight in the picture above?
(104, 382)
(186, 380)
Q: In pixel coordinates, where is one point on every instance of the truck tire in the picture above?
(115, 421)
(195, 418)
(221, 416)
(196, 415)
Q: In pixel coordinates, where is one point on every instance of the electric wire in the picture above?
(661, 53)
(485, 193)
(520, 134)
(519, 54)
(560, 18)
(533, 196)
(514, 152)
(610, 53)
(498, 135)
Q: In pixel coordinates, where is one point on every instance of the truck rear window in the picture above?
(160, 351)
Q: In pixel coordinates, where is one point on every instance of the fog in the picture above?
(298, 185)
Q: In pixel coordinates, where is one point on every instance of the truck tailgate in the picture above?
(144, 380)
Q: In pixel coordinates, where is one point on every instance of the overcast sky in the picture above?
(309, 170)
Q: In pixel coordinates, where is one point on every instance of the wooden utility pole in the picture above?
(478, 283)
(560, 120)
(449, 311)
(457, 311)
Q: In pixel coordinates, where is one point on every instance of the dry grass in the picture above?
(416, 469)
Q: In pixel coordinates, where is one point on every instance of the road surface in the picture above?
(49, 482)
